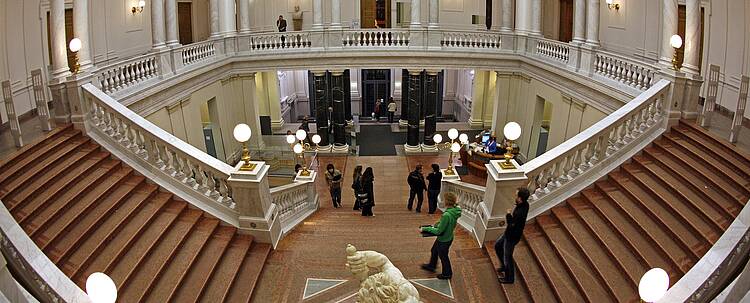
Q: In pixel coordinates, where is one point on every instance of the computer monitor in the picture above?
(485, 138)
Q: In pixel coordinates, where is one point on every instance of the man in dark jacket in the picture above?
(417, 187)
(444, 232)
(504, 246)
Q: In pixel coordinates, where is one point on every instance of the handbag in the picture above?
(363, 199)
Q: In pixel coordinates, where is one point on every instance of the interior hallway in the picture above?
(316, 248)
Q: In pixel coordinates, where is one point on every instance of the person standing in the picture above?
(444, 232)
(333, 177)
(376, 110)
(416, 187)
(357, 185)
(391, 109)
(433, 188)
(281, 24)
(368, 196)
(504, 246)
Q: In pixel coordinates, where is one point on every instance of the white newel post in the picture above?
(336, 14)
(10, 110)
(81, 31)
(507, 15)
(251, 193)
(317, 14)
(213, 8)
(416, 14)
(57, 33)
(499, 196)
(434, 17)
(157, 24)
(669, 28)
(172, 34)
(579, 21)
(244, 7)
(592, 23)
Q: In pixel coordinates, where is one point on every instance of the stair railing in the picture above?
(469, 196)
(295, 201)
(127, 73)
(185, 170)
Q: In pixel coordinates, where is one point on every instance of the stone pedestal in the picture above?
(308, 178)
(682, 100)
(453, 177)
(258, 216)
(499, 196)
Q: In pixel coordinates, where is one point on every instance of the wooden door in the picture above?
(374, 12)
(566, 21)
(185, 22)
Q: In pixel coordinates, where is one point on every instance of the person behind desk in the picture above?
(492, 146)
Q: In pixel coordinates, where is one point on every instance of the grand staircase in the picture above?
(665, 208)
(90, 212)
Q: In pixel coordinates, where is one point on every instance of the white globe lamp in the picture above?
(316, 139)
(512, 131)
(463, 138)
(298, 149)
(653, 285)
(301, 134)
(75, 45)
(290, 139)
(101, 288)
(453, 133)
(242, 134)
(455, 147)
(437, 138)
(675, 41)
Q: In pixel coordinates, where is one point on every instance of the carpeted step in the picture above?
(539, 285)
(122, 227)
(194, 281)
(247, 277)
(17, 164)
(144, 272)
(595, 252)
(169, 279)
(225, 273)
(516, 292)
(711, 143)
(556, 271)
(103, 220)
(711, 159)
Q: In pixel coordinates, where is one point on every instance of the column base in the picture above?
(278, 124)
(409, 149)
(429, 149)
(403, 123)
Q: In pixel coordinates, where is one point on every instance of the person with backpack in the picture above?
(416, 187)
(444, 232)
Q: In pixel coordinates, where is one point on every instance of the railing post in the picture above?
(499, 196)
(587, 58)
(251, 193)
(574, 56)
(682, 98)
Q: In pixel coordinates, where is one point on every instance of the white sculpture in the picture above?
(380, 281)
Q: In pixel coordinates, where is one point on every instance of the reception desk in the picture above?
(475, 159)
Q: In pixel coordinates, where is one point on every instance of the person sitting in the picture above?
(492, 145)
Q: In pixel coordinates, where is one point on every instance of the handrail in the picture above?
(555, 50)
(471, 39)
(375, 38)
(295, 201)
(197, 52)
(174, 164)
(42, 277)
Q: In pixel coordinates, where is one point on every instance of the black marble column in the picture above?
(347, 96)
(319, 95)
(337, 99)
(430, 106)
(414, 99)
(404, 95)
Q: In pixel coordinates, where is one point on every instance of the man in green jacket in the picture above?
(444, 232)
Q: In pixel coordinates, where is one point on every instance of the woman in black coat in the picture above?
(357, 186)
(367, 192)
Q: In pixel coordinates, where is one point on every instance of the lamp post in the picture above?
(242, 133)
(452, 145)
(75, 46)
(299, 146)
(512, 132)
(653, 285)
(100, 288)
(676, 43)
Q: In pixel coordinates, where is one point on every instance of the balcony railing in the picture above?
(375, 38)
(128, 73)
(625, 70)
(465, 39)
(554, 50)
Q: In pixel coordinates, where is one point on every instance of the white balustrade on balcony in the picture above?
(628, 71)
(555, 50)
(174, 164)
(197, 52)
(375, 38)
(479, 40)
(279, 41)
(128, 73)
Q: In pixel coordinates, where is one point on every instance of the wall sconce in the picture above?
(676, 43)
(139, 8)
(611, 5)
(75, 46)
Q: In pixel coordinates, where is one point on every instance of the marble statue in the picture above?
(380, 281)
(297, 18)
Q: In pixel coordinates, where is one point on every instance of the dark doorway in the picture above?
(376, 84)
(566, 21)
(375, 13)
(185, 22)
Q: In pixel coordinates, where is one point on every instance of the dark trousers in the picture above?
(420, 198)
(432, 200)
(356, 202)
(440, 250)
(367, 210)
(336, 196)
(504, 251)
(390, 116)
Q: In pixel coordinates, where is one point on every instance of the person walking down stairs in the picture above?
(504, 246)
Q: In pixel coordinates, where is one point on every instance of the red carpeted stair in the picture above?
(665, 208)
(89, 212)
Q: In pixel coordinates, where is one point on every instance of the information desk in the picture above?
(475, 158)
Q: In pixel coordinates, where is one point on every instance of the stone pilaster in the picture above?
(432, 97)
(536, 17)
(57, 39)
(416, 14)
(506, 22)
(173, 38)
(335, 13)
(337, 100)
(244, 7)
(434, 18)
(592, 23)
(228, 21)
(213, 8)
(320, 97)
(415, 105)
(317, 14)
(523, 17)
(579, 21)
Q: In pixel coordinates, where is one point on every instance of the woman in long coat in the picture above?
(367, 190)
